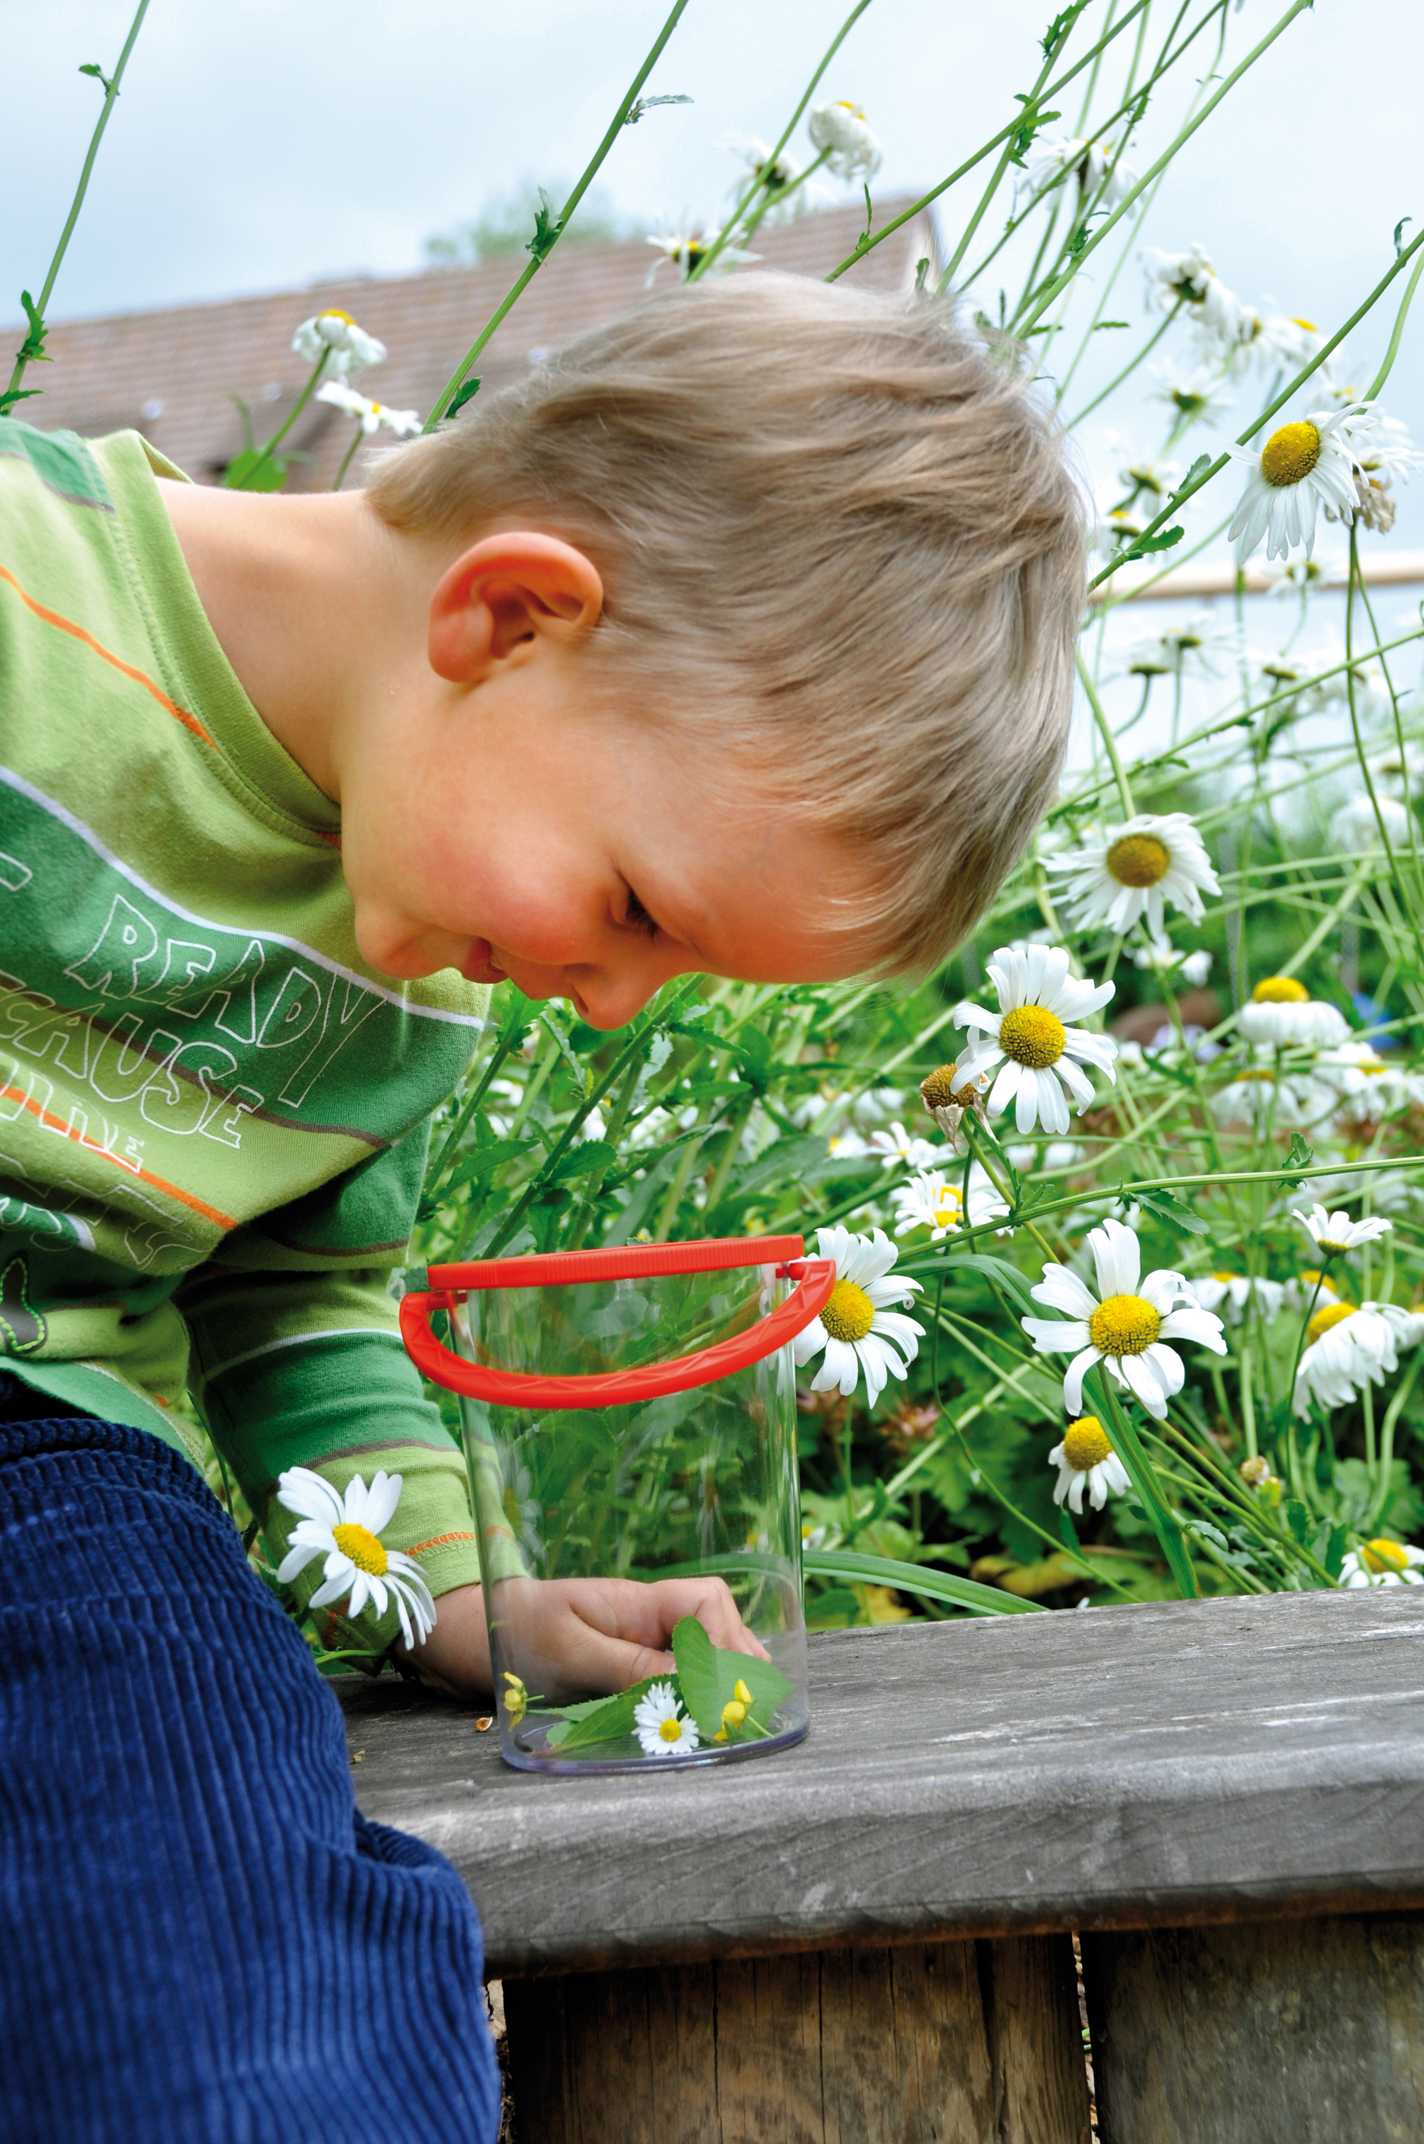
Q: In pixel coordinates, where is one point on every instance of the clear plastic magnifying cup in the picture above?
(630, 1414)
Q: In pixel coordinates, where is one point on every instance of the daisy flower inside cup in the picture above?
(1085, 1459)
(346, 1530)
(1032, 1040)
(1336, 1233)
(1125, 1325)
(1302, 468)
(661, 1725)
(1135, 870)
(858, 1328)
(1383, 1563)
(1283, 1012)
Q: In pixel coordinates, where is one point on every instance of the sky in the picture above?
(263, 144)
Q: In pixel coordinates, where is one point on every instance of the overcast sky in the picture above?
(259, 144)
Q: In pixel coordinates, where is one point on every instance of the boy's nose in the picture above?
(611, 998)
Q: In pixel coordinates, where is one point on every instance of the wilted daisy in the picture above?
(1381, 454)
(1349, 1347)
(1234, 1291)
(936, 1201)
(1166, 959)
(1356, 826)
(350, 349)
(1383, 1563)
(946, 1094)
(842, 133)
(1302, 468)
(858, 1328)
(898, 1150)
(1033, 1038)
(346, 1530)
(661, 1725)
(1125, 1326)
(369, 415)
(1135, 870)
(1336, 1233)
(1086, 1459)
(1283, 1012)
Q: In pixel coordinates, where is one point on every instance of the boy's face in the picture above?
(505, 829)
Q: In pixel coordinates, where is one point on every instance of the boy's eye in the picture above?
(636, 917)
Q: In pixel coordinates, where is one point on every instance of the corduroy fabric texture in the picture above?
(202, 1941)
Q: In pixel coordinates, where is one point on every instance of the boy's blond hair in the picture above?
(843, 556)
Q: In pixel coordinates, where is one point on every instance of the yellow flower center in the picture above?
(849, 1313)
(1290, 454)
(1279, 990)
(362, 1547)
(1222, 1274)
(1308, 325)
(334, 312)
(1123, 1325)
(1084, 1444)
(946, 1215)
(670, 1730)
(1256, 1072)
(1383, 1556)
(1139, 859)
(1032, 1035)
(1328, 1314)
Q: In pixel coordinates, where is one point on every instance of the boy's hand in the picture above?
(578, 1637)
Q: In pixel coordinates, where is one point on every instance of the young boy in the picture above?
(735, 639)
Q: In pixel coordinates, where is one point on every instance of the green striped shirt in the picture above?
(214, 1115)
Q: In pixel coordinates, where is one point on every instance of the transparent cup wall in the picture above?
(691, 1484)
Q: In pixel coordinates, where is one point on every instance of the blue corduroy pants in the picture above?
(201, 1939)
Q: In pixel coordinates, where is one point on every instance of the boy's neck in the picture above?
(319, 607)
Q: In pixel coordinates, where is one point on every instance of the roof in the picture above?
(178, 375)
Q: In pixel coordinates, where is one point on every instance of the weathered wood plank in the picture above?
(922, 2042)
(1272, 2032)
(1130, 1766)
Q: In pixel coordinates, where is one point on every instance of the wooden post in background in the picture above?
(919, 2043)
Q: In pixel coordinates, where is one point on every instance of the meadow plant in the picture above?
(1143, 1155)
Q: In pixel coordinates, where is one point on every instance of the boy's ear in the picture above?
(504, 595)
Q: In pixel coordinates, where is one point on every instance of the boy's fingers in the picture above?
(664, 1604)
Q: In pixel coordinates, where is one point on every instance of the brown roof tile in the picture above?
(176, 374)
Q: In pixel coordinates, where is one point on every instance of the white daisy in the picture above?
(1383, 1563)
(1235, 1290)
(935, 1201)
(1190, 649)
(858, 1329)
(1350, 1346)
(1269, 342)
(897, 1150)
(687, 249)
(351, 348)
(1257, 1096)
(1189, 279)
(661, 1725)
(346, 1530)
(1302, 468)
(1135, 870)
(1052, 156)
(1356, 826)
(1308, 1289)
(1194, 397)
(1283, 1012)
(369, 415)
(1033, 1039)
(1336, 1233)
(1165, 959)
(1125, 1325)
(842, 131)
(1086, 1459)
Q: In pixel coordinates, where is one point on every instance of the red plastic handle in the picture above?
(517, 1388)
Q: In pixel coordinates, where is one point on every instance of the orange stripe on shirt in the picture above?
(77, 632)
(439, 1541)
(52, 1123)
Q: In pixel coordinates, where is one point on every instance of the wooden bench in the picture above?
(865, 1940)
